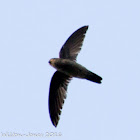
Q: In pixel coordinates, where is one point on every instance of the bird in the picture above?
(67, 68)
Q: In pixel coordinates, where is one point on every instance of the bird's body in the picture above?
(70, 68)
(73, 69)
(67, 68)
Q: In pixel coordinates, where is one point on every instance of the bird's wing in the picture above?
(73, 45)
(57, 94)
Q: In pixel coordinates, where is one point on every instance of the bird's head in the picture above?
(52, 62)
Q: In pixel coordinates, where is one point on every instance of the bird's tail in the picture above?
(93, 77)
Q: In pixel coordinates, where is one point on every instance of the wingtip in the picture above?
(86, 26)
(55, 124)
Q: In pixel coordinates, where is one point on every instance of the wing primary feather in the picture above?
(73, 44)
(57, 95)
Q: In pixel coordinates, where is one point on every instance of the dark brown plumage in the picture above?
(67, 68)
(73, 45)
(57, 95)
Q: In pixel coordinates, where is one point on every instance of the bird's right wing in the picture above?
(57, 94)
(73, 45)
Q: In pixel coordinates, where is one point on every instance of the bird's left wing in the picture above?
(73, 45)
(57, 94)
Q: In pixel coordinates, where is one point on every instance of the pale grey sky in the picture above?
(33, 31)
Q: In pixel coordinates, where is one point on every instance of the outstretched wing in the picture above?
(73, 44)
(57, 94)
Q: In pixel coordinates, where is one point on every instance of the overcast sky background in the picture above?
(33, 31)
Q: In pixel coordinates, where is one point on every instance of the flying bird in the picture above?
(67, 68)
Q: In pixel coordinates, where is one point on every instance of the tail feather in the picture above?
(94, 77)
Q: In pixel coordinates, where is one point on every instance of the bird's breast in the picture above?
(71, 68)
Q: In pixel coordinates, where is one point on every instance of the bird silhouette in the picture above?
(67, 68)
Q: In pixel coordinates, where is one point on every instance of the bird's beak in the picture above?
(49, 62)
